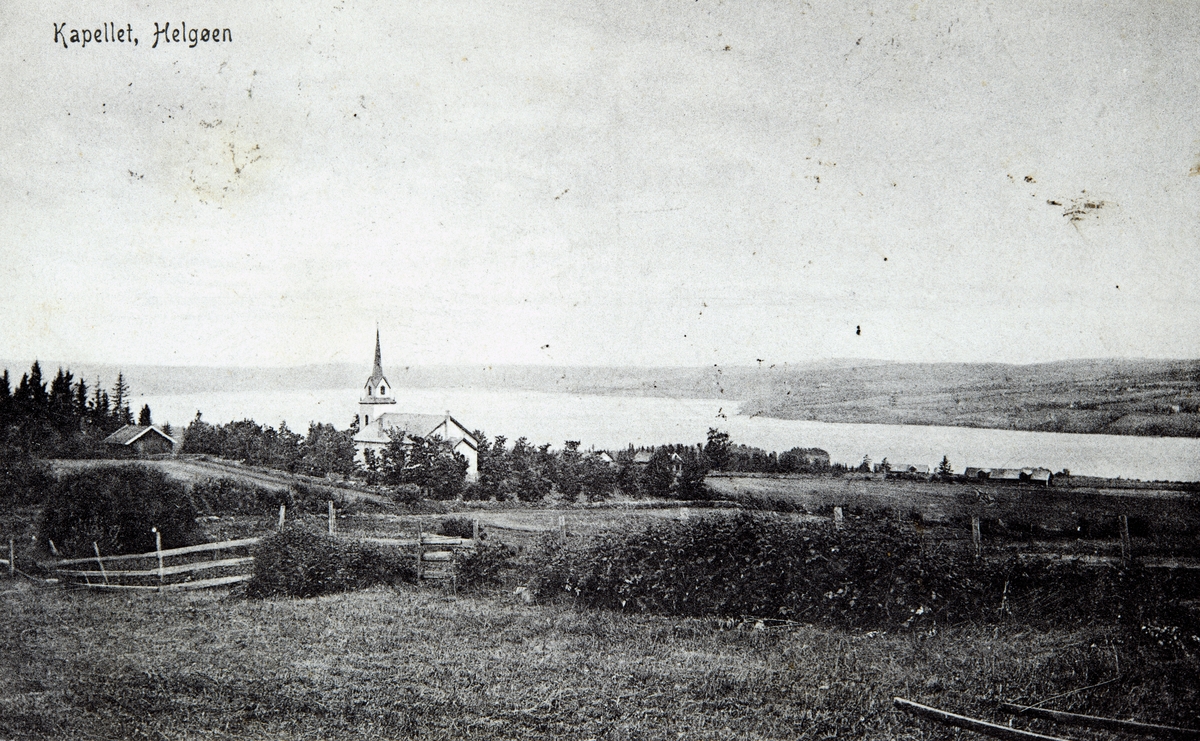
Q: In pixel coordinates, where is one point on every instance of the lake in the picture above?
(612, 422)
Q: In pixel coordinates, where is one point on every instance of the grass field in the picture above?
(418, 662)
(426, 662)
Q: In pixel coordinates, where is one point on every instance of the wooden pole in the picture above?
(96, 547)
(420, 537)
(837, 517)
(12, 559)
(1111, 724)
(976, 538)
(282, 515)
(331, 517)
(1126, 543)
(562, 528)
(475, 530)
(158, 552)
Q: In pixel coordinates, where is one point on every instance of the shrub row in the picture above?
(872, 575)
(299, 563)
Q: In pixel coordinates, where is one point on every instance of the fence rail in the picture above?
(130, 578)
(166, 553)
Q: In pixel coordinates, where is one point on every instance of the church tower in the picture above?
(377, 393)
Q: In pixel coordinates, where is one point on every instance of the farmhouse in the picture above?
(140, 440)
(1041, 476)
(376, 423)
(907, 470)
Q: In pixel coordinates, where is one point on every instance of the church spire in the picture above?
(377, 387)
(377, 371)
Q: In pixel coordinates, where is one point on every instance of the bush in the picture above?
(486, 566)
(24, 480)
(229, 497)
(458, 527)
(117, 507)
(299, 563)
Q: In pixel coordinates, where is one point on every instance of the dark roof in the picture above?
(128, 434)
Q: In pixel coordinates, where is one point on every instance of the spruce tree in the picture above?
(120, 400)
(81, 399)
(144, 416)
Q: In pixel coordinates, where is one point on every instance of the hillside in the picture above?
(1120, 397)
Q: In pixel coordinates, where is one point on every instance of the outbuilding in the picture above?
(141, 440)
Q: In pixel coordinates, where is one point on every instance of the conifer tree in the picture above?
(120, 400)
(144, 416)
(100, 406)
(81, 399)
(5, 400)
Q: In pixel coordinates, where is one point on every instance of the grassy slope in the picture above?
(409, 663)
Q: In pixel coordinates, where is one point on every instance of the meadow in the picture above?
(421, 662)
(437, 662)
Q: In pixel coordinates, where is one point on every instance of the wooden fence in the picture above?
(151, 571)
(435, 555)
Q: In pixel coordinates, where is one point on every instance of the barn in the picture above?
(140, 440)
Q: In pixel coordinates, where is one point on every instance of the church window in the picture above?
(383, 389)
(368, 419)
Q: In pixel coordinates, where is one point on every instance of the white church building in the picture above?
(376, 422)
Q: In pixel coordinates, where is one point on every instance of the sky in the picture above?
(674, 182)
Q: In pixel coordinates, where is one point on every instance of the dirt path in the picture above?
(192, 470)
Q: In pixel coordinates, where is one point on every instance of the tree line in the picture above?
(62, 417)
(323, 450)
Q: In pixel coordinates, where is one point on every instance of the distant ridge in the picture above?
(1114, 396)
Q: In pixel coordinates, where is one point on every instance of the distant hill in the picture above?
(1122, 397)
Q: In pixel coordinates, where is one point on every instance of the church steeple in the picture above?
(376, 391)
(377, 371)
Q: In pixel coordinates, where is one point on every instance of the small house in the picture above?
(914, 470)
(140, 440)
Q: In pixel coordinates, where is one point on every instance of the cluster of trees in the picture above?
(323, 450)
(531, 474)
(61, 417)
(723, 455)
(527, 473)
(417, 467)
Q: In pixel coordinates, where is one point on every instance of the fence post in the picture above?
(475, 530)
(282, 515)
(1126, 543)
(96, 548)
(420, 538)
(837, 517)
(331, 517)
(976, 538)
(158, 551)
(562, 528)
(12, 559)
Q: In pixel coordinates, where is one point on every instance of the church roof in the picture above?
(414, 425)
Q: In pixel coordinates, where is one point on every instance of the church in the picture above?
(376, 422)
